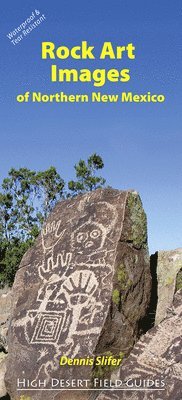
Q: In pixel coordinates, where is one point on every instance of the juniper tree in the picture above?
(26, 199)
(86, 174)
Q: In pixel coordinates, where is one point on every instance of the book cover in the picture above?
(90, 200)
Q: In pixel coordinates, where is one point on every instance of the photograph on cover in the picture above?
(90, 200)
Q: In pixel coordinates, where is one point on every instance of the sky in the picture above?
(140, 143)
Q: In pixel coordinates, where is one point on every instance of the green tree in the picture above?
(86, 174)
(25, 201)
(11, 254)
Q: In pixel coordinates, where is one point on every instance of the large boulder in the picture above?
(82, 290)
(169, 264)
(153, 370)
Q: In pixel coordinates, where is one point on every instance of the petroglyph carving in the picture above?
(51, 265)
(64, 299)
(157, 356)
(51, 235)
(88, 237)
(80, 286)
(67, 300)
(48, 328)
(106, 396)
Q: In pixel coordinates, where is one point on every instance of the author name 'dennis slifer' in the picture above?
(89, 361)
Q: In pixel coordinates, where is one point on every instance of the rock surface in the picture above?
(3, 390)
(82, 290)
(5, 311)
(155, 361)
(169, 263)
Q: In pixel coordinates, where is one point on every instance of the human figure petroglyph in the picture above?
(76, 292)
(81, 286)
(89, 239)
(55, 294)
(59, 312)
(67, 292)
(67, 300)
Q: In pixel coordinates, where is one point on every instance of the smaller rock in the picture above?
(179, 281)
(5, 310)
(169, 263)
(3, 390)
